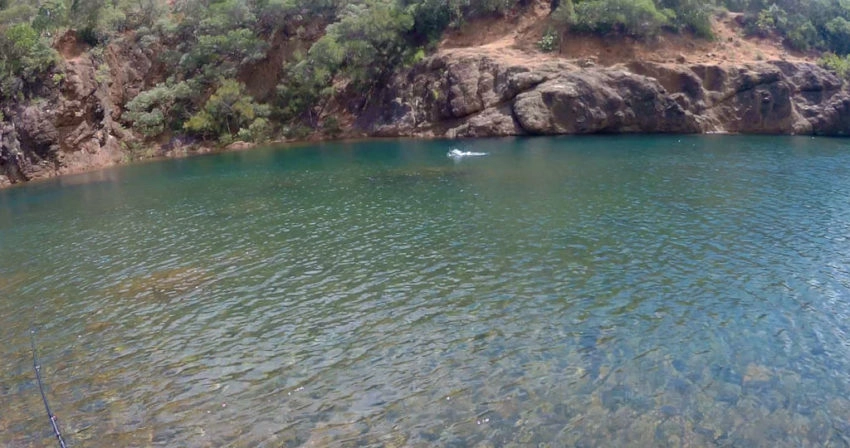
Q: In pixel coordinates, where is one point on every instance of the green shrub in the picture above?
(803, 36)
(548, 42)
(331, 127)
(296, 132)
(638, 18)
(164, 106)
(361, 51)
(304, 92)
(225, 139)
(432, 17)
(564, 14)
(50, 16)
(226, 112)
(216, 55)
(770, 20)
(480, 8)
(259, 131)
(415, 57)
(838, 35)
(25, 57)
(694, 15)
(803, 24)
(19, 13)
(839, 65)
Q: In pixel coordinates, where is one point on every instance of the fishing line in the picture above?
(37, 368)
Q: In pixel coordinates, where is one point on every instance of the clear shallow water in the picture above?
(606, 291)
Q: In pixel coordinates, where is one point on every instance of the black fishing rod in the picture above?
(50, 415)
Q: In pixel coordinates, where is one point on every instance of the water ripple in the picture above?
(594, 292)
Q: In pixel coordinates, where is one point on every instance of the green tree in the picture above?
(24, 58)
(51, 15)
(839, 65)
(19, 13)
(216, 38)
(359, 52)
(227, 112)
(372, 39)
(432, 17)
(165, 106)
(564, 13)
(631, 17)
(838, 35)
(694, 15)
(307, 89)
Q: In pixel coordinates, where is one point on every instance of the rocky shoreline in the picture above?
(473, 96)
(77, 127)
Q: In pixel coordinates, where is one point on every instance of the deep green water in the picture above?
(604, 291)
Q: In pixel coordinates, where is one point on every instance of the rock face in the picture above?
(475, 96)
(73, 126)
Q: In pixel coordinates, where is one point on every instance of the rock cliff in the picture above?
(476, 96)
(73, 124)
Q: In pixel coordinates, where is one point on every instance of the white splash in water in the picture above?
(458, 154)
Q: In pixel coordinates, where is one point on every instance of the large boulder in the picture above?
(593, 101)
(474, 96)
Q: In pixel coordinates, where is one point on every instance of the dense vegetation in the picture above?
(209, 45)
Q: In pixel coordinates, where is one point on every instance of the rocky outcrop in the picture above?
(73, 125)
(475, 96)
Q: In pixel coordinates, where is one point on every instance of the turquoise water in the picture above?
(604, 291)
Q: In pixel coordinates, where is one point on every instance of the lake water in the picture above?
(601, 291)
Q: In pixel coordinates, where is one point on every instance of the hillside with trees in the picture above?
(221, 71)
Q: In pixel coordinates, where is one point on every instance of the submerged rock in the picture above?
(756, 374)
(616, 397)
